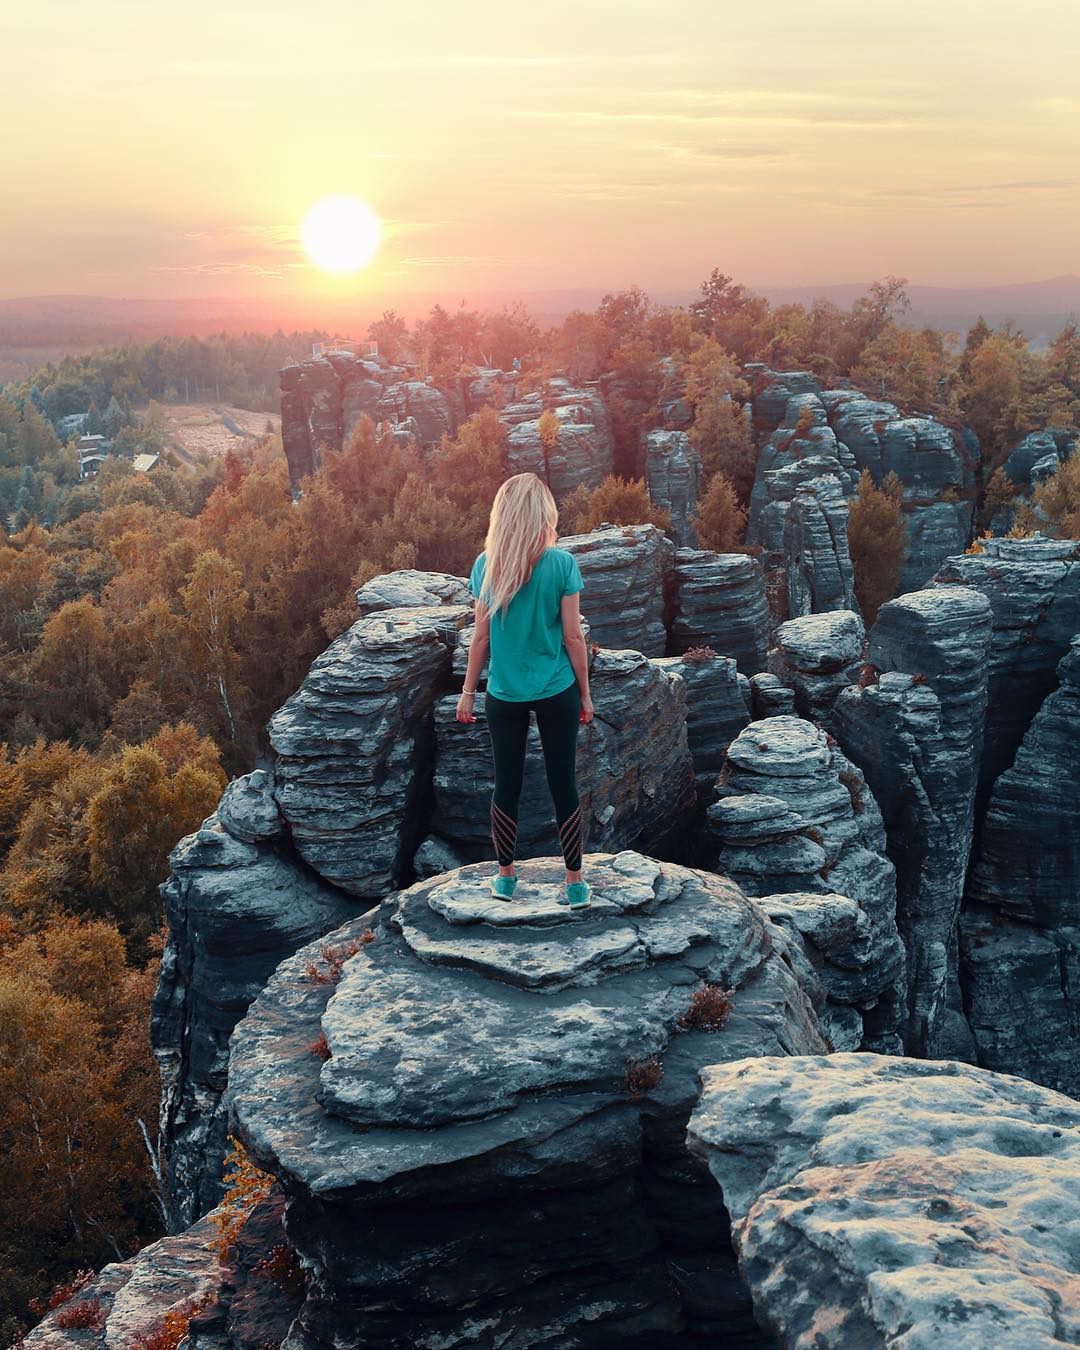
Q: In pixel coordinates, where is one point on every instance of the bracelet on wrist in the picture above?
(471, 692)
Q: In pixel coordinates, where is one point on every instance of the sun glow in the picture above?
(341, 234)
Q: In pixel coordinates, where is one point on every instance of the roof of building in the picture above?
(144, 463)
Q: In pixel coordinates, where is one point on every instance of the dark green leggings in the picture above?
(557, 720)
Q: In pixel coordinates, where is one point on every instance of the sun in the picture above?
(341, 234)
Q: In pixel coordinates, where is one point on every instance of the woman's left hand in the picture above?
(465, 708)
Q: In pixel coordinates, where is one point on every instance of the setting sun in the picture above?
(341, 234)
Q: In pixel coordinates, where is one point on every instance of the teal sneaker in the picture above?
(502, 888)
(578, 894)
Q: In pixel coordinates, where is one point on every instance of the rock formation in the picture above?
(673, 474)
(627, 571)
(422, 404)
(771, 391)
(354, 746)
(717, 709)
(480, 1126)
(236, 905)
(581, 449)
(236, 1304)
(1020, 934)
(719, 602)
(410, 589)
(917, 735)
(817, 562)
(817, 656)
(795, 822)
(1033, 586)
(1053, 444)
(888, 1202)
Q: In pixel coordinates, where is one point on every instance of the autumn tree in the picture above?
(214, 601)
(71, 671)
(720, 520)
(617, 501)
(877, 541)
(990, 397)
(720, 432)
(1056, 501)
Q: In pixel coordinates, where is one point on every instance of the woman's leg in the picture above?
(557, 719)
(508, 724)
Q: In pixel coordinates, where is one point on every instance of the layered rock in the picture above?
(322, 399)
(627, 571)
(486, 387)
(1052, 444)
(803, 447)
(887, 1202)
(234, 1304)
(673, 474)
(817, 562)
(934, 533)
(635, 772)
(1033, 586)
(815, 657)
(717, 709)
(917, 736)
(491, 1143)
(719, 602)
(581, 450)
(771, 391)
(769, 697)
(795, 820)
(411, 589)
(355, 742)
(236, 904)
(1020, 933)
(421, 404)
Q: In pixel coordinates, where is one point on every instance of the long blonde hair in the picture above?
(523, 523)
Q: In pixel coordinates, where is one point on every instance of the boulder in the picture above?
(673, 473)
(917, 733)
(815, 657)
(895, 1202)
(772, 389)
(1020, 934)
(480, 1124)
(627, 573)
(717, 709)
(489, 388)
(1052, 443)
(769, 697)
(719, 602)
(355, 744)
(582, 450)
(236, 904)
(410, 589)
(794, 818)
(635, 772)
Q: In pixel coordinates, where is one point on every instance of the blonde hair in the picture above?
(522, 525)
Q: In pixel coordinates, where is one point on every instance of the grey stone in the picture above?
(770, 697)
(248, 810)
(1037, 447)
(423, 403)
(354, 745)
(717, 709)
(934, 533)
(410, 589)
(719, 602)
(917, 736)
(673, 473)
(626, 570)
(815, 657)
(478, 1076)
(883, 1202)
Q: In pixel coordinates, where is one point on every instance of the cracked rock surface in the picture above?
(473, 1153)
(895, 1202)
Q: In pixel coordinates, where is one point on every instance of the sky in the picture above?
(173, 149)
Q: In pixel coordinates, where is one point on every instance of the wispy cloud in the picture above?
(216, 269)
(456, 260)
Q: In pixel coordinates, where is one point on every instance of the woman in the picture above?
(529, 620)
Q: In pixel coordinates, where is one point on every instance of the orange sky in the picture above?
(155, 150)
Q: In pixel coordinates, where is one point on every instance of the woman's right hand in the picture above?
(586, 710)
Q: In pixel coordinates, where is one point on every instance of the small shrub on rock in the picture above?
(332, 959)
(868, 675)
(697, 656)
(282, 1265)
(319, 1046)
(854, 785)
(642, 1075)
(245, 1186)
(63, 1293)
(87, 1315)
(708, 1009)
(170, 1331)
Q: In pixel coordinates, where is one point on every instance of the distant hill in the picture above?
(38, 328)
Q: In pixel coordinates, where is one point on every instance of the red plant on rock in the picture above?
(642, 1075)
(63, 1293)
(320, 1047)
(333, 958)
(282, 1265)
(868, 675)
(708, 1009)
(87, 1315)
(697, 656)
(854, 785)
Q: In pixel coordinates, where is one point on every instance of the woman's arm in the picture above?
(574, 641)
(478, 653)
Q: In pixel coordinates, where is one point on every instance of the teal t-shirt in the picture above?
(528, 657)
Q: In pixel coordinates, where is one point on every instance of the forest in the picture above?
(151, 623)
